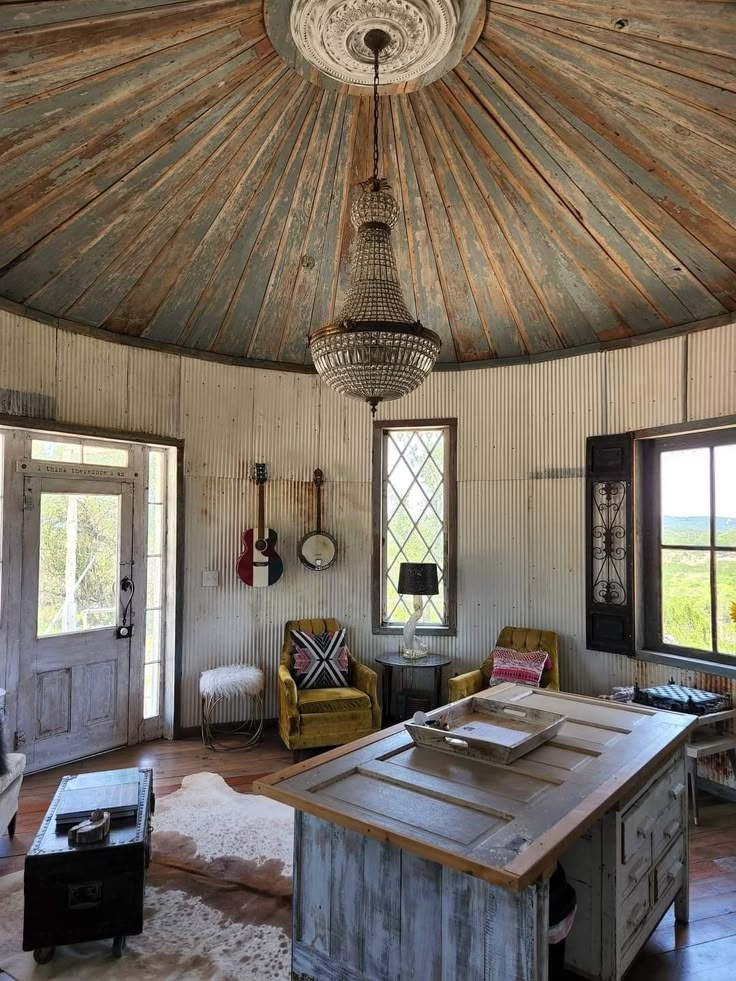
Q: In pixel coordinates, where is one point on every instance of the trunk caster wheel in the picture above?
(42, 955)
(118, 946)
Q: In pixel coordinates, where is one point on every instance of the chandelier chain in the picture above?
(376, 182)
(374, 350)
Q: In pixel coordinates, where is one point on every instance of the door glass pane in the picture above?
(153, 636)
(151, 690)
(153, 582)
(725, 464)
(50, 449)
(726, 601)
(78, 562)
(105, 456)
(155, 476)
(686, 497)
(64, 451)
(155, 529)
(686, 598)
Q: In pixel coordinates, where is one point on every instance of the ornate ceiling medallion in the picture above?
(330, 34)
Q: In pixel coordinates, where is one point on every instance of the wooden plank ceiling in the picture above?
(164, 174)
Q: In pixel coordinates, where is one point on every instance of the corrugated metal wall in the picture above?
(521, 449)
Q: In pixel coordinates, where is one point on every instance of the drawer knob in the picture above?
(678, 790)
(639, 869)
(645, 827)
(675, 870)
(637, 914)
(671, 830)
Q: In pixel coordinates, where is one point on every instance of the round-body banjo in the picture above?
(317, 550)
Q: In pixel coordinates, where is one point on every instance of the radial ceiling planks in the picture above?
(165, 175)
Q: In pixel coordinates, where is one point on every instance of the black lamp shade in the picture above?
(418, 578)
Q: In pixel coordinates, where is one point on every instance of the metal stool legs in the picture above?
(247, 733)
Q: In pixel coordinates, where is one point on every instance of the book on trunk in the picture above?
(115, 791)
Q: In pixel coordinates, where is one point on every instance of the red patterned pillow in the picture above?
(320, 660)
(522, 667)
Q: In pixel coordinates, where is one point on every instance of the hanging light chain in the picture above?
(374, 351)
(376, 182)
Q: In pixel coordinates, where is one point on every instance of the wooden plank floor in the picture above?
(171, 762)
(704, 950)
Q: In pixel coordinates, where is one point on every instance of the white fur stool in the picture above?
(231, 681)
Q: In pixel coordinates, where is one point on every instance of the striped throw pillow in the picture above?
(522, 667)
(320, 660)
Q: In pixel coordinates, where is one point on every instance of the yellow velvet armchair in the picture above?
(325, 716)
(518, 639)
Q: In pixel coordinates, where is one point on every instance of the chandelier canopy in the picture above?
(374, 351)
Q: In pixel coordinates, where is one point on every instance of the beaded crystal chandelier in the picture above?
(374, 351)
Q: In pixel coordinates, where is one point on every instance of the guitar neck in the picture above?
(261, 511)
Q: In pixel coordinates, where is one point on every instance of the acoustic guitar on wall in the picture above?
(259, 563)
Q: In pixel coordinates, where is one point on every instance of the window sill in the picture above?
(420, 631)
(685, 663)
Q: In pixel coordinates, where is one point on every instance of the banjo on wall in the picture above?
(259, 563)
(317, 550)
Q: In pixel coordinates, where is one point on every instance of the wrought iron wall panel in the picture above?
(609, 544)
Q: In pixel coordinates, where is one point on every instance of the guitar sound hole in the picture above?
(261, 545)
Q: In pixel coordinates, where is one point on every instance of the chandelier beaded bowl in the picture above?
(374, 351)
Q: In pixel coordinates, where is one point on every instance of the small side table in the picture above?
(703, 742)
(435, 662)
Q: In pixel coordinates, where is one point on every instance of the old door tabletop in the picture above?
(504, 823)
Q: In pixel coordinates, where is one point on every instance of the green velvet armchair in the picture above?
(325, 716)
(518, 639)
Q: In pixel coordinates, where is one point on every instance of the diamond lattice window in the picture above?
(414, 510)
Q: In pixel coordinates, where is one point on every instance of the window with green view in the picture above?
(690, 535)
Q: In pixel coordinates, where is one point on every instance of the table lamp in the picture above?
(419, 579)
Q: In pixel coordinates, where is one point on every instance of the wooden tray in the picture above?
(486, 729)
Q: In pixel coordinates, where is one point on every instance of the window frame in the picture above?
(162, 556)
(84, 442)
(649, 518)
(449, 629)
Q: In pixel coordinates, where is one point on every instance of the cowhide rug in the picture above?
(218, 897)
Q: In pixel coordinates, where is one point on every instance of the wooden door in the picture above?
(74, 667)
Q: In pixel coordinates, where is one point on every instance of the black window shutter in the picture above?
(609, 544)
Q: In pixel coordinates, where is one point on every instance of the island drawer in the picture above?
(637, 909)
(669, 871)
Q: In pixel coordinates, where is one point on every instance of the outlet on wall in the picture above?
(210, 577)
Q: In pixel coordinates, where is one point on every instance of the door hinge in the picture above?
(19, 739)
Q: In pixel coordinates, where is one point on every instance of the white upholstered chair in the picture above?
(10, 790)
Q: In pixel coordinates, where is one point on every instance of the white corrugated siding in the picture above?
(27, 367)
(521, 433)
(565, 398)
(91, 381)
(645, 386)
(154, 396)
(712, 373)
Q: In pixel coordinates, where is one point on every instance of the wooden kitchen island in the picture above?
(412, 863)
